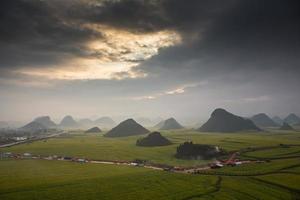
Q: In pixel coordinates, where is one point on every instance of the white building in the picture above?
(20, 138)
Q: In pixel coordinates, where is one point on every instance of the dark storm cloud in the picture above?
(153, 15)
(143, 15)
(247, 34)
(216, 34)
(21, 20)
(38, 33)
(32, 32)
(45, 31)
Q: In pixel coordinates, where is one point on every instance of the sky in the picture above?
(148, 58)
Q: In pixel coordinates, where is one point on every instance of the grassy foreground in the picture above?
(28, 179)
(54, 180)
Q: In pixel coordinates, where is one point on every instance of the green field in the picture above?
(40, 179)
(98, 147)
(32, 179)
(64, 180)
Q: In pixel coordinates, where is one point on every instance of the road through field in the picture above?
(32, 140)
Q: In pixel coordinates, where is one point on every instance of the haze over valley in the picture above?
(149, 99)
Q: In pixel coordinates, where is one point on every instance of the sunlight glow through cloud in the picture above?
(113, 56)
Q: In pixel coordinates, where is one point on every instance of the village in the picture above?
(232, 162)
(16, 140)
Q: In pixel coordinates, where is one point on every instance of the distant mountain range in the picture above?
(102, 122)
(170, 124)
(286, 126)
(33, 127)
(68, 122)
(45, 121)
(105, 122)
(38, 124)
(278, 120)
(292, 119)
(263, 120)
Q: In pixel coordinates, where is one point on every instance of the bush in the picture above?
(188, 150)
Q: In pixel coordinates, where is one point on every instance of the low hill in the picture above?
(285, 126)
(153, 139)
(170, 124)
(68, 122)
(223, 121)
(277, 120)
(292, 119)
(33, 127)
(263, 120)
(46, 121)
(128, 127)
(93, 130)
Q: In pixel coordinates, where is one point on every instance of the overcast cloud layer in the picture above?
(148, 58)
